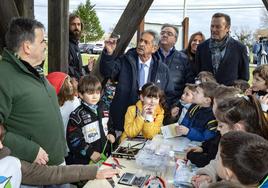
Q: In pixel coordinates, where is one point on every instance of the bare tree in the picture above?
(264, 19)
(245, 36)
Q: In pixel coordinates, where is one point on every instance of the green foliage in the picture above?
(92, 29)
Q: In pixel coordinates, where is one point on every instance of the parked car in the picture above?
(86, 48)
(98, 48)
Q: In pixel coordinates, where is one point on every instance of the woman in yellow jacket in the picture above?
(146, 117)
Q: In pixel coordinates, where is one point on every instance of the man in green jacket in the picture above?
(29, 109)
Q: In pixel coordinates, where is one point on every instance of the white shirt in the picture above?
(146, 68)
(10, 172)
(66, 110)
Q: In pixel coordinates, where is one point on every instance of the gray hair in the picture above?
(20, 30)
(154, 34)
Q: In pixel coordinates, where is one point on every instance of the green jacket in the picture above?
(30, 113)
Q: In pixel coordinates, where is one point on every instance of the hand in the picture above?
(181, 130)
(174, 111)
(106, 173)
(42, 157)
(111, 138)
(110, 45)
(95, 156)
(91, 63)
(249, 91)
(147, 109)
(197, 180)
(195, 149)
(74, 82)
(264, 99)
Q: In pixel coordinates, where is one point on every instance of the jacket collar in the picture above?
(264, 182)
(132, 55)
(11, 58)
(92, 108)
(170, 52)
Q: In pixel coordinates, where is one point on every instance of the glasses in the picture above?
(170, 34)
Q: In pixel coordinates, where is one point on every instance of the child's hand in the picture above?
(174, 111)
(95, 156)
(249, 91)
(264, 99)
(195, 149)
(197, 180)
(147, 109)
(111, 138)
(181, 130)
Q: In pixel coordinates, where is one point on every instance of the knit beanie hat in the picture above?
(57, 79)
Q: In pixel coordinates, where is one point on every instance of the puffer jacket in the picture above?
(135, 124)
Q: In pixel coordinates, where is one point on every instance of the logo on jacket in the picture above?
(5, 182)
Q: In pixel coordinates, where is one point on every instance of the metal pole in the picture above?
(184, 9)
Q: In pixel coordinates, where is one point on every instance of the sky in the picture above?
(244, 13)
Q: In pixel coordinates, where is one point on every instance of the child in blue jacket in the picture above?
(199, 123)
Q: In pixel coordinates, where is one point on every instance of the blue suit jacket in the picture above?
(124, 70)
(234, 65)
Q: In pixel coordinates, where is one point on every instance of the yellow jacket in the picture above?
(135, 124)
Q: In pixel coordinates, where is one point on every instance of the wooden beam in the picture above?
(58, 35)
(129, 22)
(8, 10)
(25, 8)
(140, 30)
(265, 2)
(185, 31)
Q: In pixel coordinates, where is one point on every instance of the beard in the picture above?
(75, 34)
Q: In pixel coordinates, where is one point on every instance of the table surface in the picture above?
(177, 144)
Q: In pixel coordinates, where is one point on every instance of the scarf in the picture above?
(217, 51)
(92, 107)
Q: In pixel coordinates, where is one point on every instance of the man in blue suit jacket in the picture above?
(125, 70)
(222, 55)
